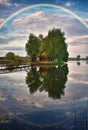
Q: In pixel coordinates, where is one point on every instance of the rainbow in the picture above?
(45, 5)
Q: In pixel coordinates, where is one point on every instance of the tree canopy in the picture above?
(32, 47)
(15, 60)
(53, 44)
(78, 57)
(10, 56)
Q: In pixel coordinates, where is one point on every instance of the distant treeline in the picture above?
(12, 59)
(75, 59)
(2, 58)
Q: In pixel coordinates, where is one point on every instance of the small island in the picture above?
(50, 49)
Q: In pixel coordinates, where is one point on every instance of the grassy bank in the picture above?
(48, 63)
(14, 63)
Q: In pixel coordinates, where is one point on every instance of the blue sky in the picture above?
(14, 34)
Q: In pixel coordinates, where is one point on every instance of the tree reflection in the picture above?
(48, 79)
(33, 80)
(78, 63)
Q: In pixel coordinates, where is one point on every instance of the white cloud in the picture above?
(81, 49)
(37, 14)
(5, 2)
(40, 20)
(16, 4)
(82, 39)
(19, 22)
(60, 20)
(28, 19)
(8, 3)
(70, 4)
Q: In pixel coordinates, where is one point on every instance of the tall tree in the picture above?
(33, 47)
(55, 45)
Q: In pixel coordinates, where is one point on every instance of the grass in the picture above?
(37, 63)
(48, 63)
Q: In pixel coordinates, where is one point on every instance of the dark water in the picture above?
(45, 98)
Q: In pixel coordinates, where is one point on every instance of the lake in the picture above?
(45, 98)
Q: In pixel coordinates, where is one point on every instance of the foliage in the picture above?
(78, 57)
(53, 44)
(10, 56)
(33, 47)
(14, 60)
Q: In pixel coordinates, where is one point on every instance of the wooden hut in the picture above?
(43, 57)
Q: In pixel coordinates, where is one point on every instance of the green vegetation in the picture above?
(13, 60)
(33, 47)
(50, 79)
(78, 57)
(10, 56)
(49, 48)
(52, 63)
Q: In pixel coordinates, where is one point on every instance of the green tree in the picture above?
(78, 57)
(33, 47)
(40, 37)
(12, 59)
(18, 60)
(55, 46)
(10, 56)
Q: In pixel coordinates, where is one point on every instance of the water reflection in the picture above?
(86, 61)
(48, 79)
(78, 63)
(20, 110)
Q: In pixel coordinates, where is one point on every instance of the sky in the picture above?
(14, 34)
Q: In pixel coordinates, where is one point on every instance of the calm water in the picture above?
(45, 98)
